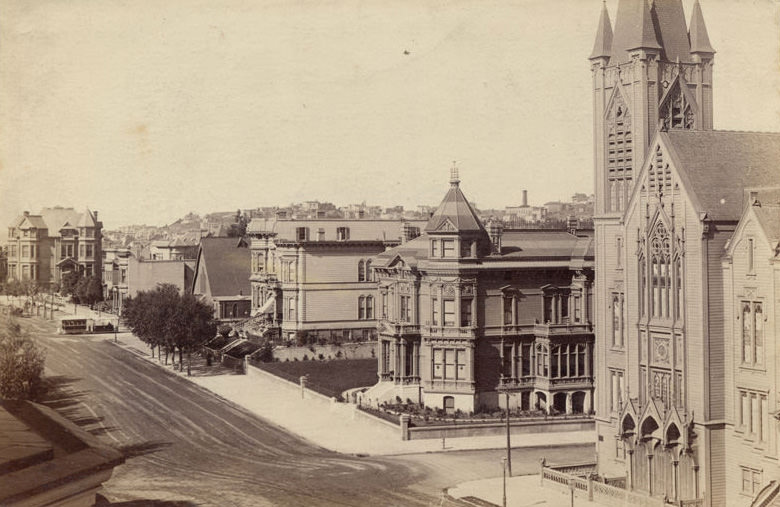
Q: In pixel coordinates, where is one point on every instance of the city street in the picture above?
(185, 446)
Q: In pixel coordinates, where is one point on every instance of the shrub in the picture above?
(305, 357)
(21, 362)
(321, 357)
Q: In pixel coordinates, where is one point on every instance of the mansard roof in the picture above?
(603, 45)
(516, 246)
(456, 210)
(719, 165)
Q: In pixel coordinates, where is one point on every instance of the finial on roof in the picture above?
(454, 180)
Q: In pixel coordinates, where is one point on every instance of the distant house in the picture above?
(144, 275)
(43, 247)
(222, 272)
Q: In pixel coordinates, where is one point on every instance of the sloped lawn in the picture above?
(330, 378)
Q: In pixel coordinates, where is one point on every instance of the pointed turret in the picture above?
(634, 29)
(699, 39)
(602, 48)
(454, 214)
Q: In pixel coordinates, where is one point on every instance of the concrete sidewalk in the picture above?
(335, 427)
(520, 492)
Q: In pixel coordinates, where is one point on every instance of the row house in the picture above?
(474, 317)
(59, 240)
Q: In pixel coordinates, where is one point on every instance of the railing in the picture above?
(561, 329)
(695, 502)
(767, 494)
(449, 332)
(600, 492)
(578, 469)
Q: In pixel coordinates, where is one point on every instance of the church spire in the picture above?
(633, 30)
(700, 41)
(603, 45)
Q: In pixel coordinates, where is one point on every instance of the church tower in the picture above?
(651, 73)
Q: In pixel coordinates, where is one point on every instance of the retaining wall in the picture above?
(487, 429)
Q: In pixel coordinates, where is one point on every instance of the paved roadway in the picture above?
(187, 447)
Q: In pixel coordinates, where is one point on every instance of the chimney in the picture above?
(96, 215)
(495, 230)
(525, 198)
(408, 231)
(571, 224)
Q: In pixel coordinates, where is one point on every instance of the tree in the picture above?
(238, 227)
(21, 362)
(89, 290)
(163, 317)
(69, 282)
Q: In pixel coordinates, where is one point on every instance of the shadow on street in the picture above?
(101, 501)
(134, 450)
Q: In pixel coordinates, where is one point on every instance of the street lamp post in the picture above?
(503, 466)
(508, 429)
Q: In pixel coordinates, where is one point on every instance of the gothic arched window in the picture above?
(676, 111)
(660, 271)
(619, 154)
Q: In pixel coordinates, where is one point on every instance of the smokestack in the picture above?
(525, 198)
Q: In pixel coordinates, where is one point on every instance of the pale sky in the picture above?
(146, 109)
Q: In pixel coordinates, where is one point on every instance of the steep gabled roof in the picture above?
(410, 252)
(228, 266)
(30, 221)
(87, 219)
(456, 210)
(720, 165)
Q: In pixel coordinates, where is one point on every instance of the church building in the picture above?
(687, 272)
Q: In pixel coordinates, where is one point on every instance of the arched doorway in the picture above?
(559, 402)
(541, 401)
(578, 402)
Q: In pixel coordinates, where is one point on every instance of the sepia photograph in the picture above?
(361, 253)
